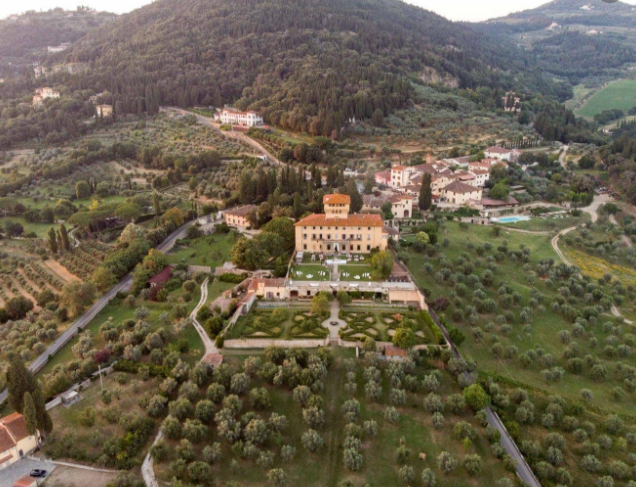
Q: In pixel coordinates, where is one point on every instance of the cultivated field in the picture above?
(619, 94)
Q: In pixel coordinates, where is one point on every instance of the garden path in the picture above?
(334, 307)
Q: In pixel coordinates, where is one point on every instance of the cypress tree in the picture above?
(44, 422)
(19, 381)
(426, 193)
(64, 238)
(30, 414)
(52, 240)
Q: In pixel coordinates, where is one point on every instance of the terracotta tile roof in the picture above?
(241, 211)
(386, 174)
(214, 359)
(397, 168)
(26, 482)
(480, 171)
(336, 199)
(393, 351)
(494, 203)
(6, 442)
(498, 150)
(162, 277)
(399, 197)
(355, 220)
(459, 187)
(16, 425)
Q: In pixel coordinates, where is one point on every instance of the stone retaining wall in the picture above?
(271, 342)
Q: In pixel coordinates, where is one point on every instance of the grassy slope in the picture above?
(619, 94)
(545, 325)
(210, 251)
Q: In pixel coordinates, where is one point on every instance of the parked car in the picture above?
(38, 473)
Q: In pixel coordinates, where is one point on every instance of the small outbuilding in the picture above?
(161, 278)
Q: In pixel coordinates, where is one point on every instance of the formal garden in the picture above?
(382, 325)
(280, 322)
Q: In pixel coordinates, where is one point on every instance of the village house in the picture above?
(42, 94)
(383, 177)
(15, 441)
(104, 111)
(62, 47)
(460, 194)
(400, 176)
(239, 217)
(338, 231)
(502, 154)
(401, 204)
(511, 102)
(231, 116)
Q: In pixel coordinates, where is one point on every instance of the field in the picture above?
(406, 441)
(75, 438)
(618, 94)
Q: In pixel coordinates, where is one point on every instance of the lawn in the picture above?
(303, 271)
(619, 94)
(354, 270)
(212, 250)
(40, 229)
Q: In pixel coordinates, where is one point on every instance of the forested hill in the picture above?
(573, 38)
(29, 34)
(306, 64)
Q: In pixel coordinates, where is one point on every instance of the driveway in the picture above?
(65, 476)
(22, 468)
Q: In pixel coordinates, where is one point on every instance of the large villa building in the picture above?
(336, 230)
(231, 116)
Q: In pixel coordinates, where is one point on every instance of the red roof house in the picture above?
(161, 278)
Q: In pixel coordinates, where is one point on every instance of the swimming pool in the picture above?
(512, 219)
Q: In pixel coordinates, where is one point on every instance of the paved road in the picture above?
(86, 318)
(524, 471)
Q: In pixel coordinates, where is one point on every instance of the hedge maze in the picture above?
(359, 325)
(308, 325)
(381, 325)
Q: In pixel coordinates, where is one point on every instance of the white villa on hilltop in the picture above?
(236, 117)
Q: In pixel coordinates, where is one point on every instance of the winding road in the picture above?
(593, 211)
(99, 305)
(147, 467)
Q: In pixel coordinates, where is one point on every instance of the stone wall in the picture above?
(271, 342)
